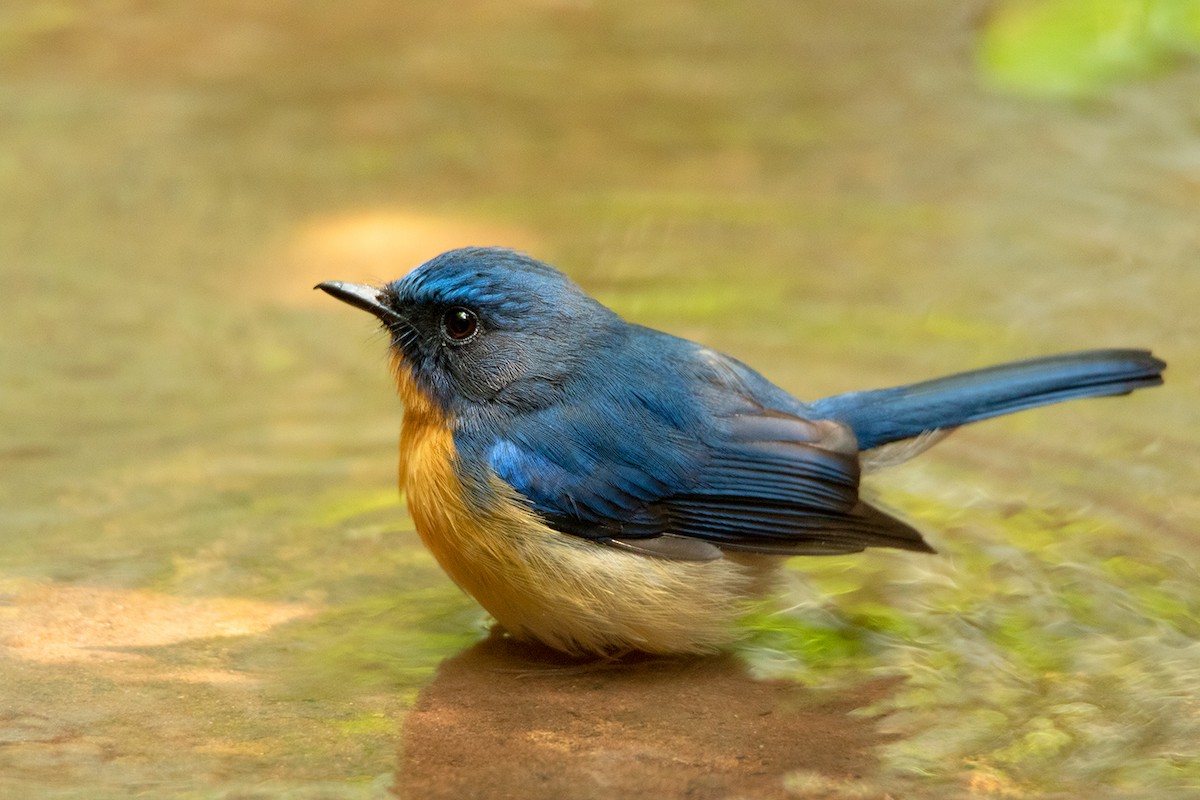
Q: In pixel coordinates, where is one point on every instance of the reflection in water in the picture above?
(504, 719)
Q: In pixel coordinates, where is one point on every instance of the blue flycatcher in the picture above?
(600, 487)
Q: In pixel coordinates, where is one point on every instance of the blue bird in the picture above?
(601, 487)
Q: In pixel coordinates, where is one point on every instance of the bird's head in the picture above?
(483, 328)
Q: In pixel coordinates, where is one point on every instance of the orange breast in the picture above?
(567, 592)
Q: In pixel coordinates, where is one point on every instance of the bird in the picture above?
(601, 487)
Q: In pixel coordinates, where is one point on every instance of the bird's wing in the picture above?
(676, 479)
(782, 484)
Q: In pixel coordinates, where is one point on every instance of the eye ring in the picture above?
(460, 324)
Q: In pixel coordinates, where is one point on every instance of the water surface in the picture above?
(208, 586)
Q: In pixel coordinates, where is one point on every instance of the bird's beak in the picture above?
(368, 298)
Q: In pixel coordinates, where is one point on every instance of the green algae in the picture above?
(1026, 653)
(1078, 48)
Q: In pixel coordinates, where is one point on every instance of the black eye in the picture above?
(460, 323)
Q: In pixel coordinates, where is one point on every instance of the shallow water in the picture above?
(208, 586)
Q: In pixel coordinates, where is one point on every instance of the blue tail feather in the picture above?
(889, 415)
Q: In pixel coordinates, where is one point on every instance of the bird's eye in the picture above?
(460, 323)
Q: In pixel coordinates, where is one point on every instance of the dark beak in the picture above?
(368, 298)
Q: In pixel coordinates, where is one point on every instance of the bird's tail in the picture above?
(889, 415)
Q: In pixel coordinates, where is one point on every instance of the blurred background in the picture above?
(208, 586)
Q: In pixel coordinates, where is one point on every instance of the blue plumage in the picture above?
(624, 437)
(612, 431)
(888, 415)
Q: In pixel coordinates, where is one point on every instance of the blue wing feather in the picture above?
(707, 459)
(881, 416)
